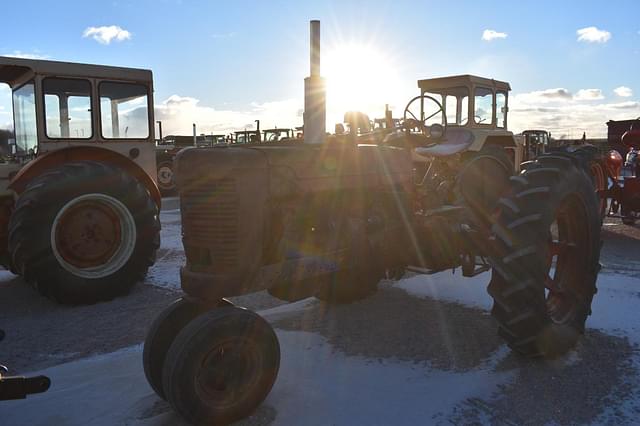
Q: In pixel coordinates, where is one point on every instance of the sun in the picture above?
(359, 78)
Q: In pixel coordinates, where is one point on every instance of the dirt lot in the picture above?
(391, 325)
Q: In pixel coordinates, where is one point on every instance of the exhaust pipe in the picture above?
(315, 110)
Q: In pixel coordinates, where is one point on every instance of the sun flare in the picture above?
(359, 77)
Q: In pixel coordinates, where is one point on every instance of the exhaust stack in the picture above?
(315, 114)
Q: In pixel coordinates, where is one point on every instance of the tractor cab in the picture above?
(466, 101)
(536, 143)
(457, 114)
(59, 105)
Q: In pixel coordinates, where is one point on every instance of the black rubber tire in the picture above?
(522, 250)
(592, 161)
(161, 335)
(199, 340)
(166, 189)
(480, 188)
(30, 230)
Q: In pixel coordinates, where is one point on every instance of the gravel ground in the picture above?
(393, 324)
(576, 390)
(389, 325)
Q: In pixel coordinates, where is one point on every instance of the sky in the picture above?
(572, 65)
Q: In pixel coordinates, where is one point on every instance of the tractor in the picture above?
(617, 179)
(79, 202)
(331, 217)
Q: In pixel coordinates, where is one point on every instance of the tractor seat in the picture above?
(456, 140)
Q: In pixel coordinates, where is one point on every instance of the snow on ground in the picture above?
(317, 384)
(170, 257)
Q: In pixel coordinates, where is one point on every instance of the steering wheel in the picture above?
(411, 121)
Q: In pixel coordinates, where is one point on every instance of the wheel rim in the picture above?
(165, 176)
(566, 260)
(228, 373)
(93, 235)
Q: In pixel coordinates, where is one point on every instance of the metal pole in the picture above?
(194, 134)
(159, 130)
(315, 114)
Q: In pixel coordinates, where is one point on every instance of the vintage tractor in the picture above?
(331, 217)
(618, 180)
(79, 200)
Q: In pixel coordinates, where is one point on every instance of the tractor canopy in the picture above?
(469, 101)
(64, 102)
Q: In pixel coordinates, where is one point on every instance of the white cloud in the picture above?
(105, 35)
(565, 115)
(490, 35)
(623, 92)
(177, 114)
(25, 55)
(545, 96)
(589, 95)
(593, 35)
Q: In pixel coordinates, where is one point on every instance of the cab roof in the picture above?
(17, 70)
(438, 84)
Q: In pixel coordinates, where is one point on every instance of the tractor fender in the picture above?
(52, 159)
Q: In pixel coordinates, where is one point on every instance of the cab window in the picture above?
(483, 106)
(124, 110)
(67, 106)
(24, 115)
(501, 109)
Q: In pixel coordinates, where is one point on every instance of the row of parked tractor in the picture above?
(167, 147)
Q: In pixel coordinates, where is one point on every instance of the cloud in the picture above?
(490, 35)
(24, 55)
(593, 35)
(565, 115)
(177, 114)
(544, 96)
(623, 92)
(224, 35)
(589, 95)
(105, 35)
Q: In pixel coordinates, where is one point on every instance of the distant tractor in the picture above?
(169, 146)
(79, 202)
(535, 143)
(618, 178)
(277, 135)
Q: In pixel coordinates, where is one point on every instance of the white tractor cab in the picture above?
(79, 199)
(461, 113)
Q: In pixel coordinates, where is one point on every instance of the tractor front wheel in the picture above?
(221, 366)
(166, 179)
(84, 232)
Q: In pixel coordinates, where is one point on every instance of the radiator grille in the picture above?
(210, 222)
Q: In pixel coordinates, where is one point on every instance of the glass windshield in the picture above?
(501, 109)
(67, 105)
(24, 113)
(483, 106)
(457, 105)
(124, 111)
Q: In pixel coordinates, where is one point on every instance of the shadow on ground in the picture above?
(393, 324)
(588, 385)
(41, 333)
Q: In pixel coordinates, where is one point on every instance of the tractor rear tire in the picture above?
(84, 232)
(541, 309)
(221, 366)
